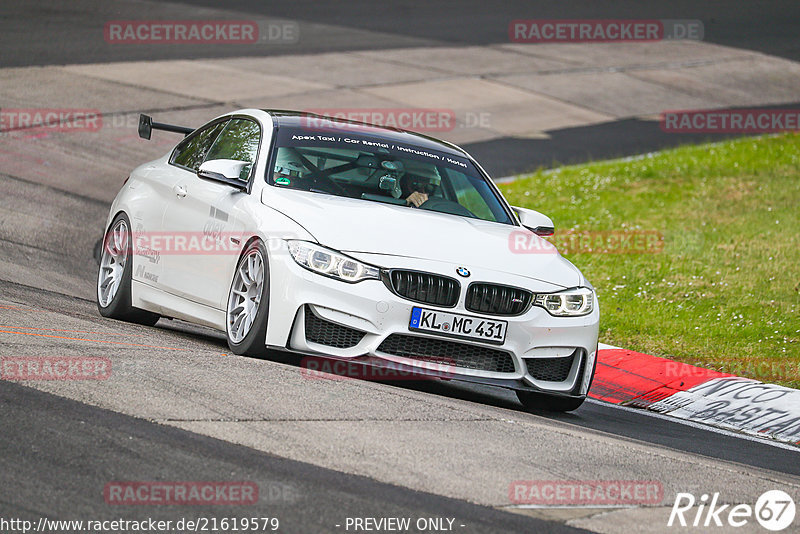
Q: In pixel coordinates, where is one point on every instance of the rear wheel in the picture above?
(248, 303)
(537, 402)
(114, 276)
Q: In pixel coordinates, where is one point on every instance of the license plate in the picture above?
(455, 325)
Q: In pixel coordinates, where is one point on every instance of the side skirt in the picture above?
(148, 298)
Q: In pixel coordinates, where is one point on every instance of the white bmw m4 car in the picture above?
(294, 232)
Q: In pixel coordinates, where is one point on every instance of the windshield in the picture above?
(377, 169)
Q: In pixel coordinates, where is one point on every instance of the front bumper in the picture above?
(362, 321)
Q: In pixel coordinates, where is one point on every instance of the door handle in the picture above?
(180, 190)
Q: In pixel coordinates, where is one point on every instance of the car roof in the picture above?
(296, 119)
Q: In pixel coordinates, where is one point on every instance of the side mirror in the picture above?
(226, 171)
(538, 223)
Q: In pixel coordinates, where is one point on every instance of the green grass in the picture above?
(724, 292)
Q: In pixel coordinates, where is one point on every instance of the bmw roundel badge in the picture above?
(463, 271)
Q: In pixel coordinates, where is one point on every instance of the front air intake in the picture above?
(426, 288)
(495, 299)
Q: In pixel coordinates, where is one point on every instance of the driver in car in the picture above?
(417, 189)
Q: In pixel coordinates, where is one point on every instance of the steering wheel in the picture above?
(443, 205)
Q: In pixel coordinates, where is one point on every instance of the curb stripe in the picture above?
(628, 377)
(703, 396)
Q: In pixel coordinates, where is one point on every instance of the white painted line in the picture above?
(701, 426)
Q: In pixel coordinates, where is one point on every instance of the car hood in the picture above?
(361, 226)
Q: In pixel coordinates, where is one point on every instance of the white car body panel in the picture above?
(160, 197)
(353, 225)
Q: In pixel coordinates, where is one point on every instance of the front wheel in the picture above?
(538, 401)
(114, 276)
(248, 303)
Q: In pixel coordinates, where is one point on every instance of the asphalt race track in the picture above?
(75, 36)
(305, 498)
(179, 406)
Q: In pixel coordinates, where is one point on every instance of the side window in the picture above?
(191, 152)
(239, 140)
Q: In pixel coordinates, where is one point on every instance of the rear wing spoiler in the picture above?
(146, 127)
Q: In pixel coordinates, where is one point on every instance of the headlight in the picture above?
(330, 263)
(569, 303)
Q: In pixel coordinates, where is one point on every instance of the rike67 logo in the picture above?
(774, 510)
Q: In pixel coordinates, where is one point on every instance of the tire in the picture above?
(550, 403)
(114, 276)
(247, 310)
